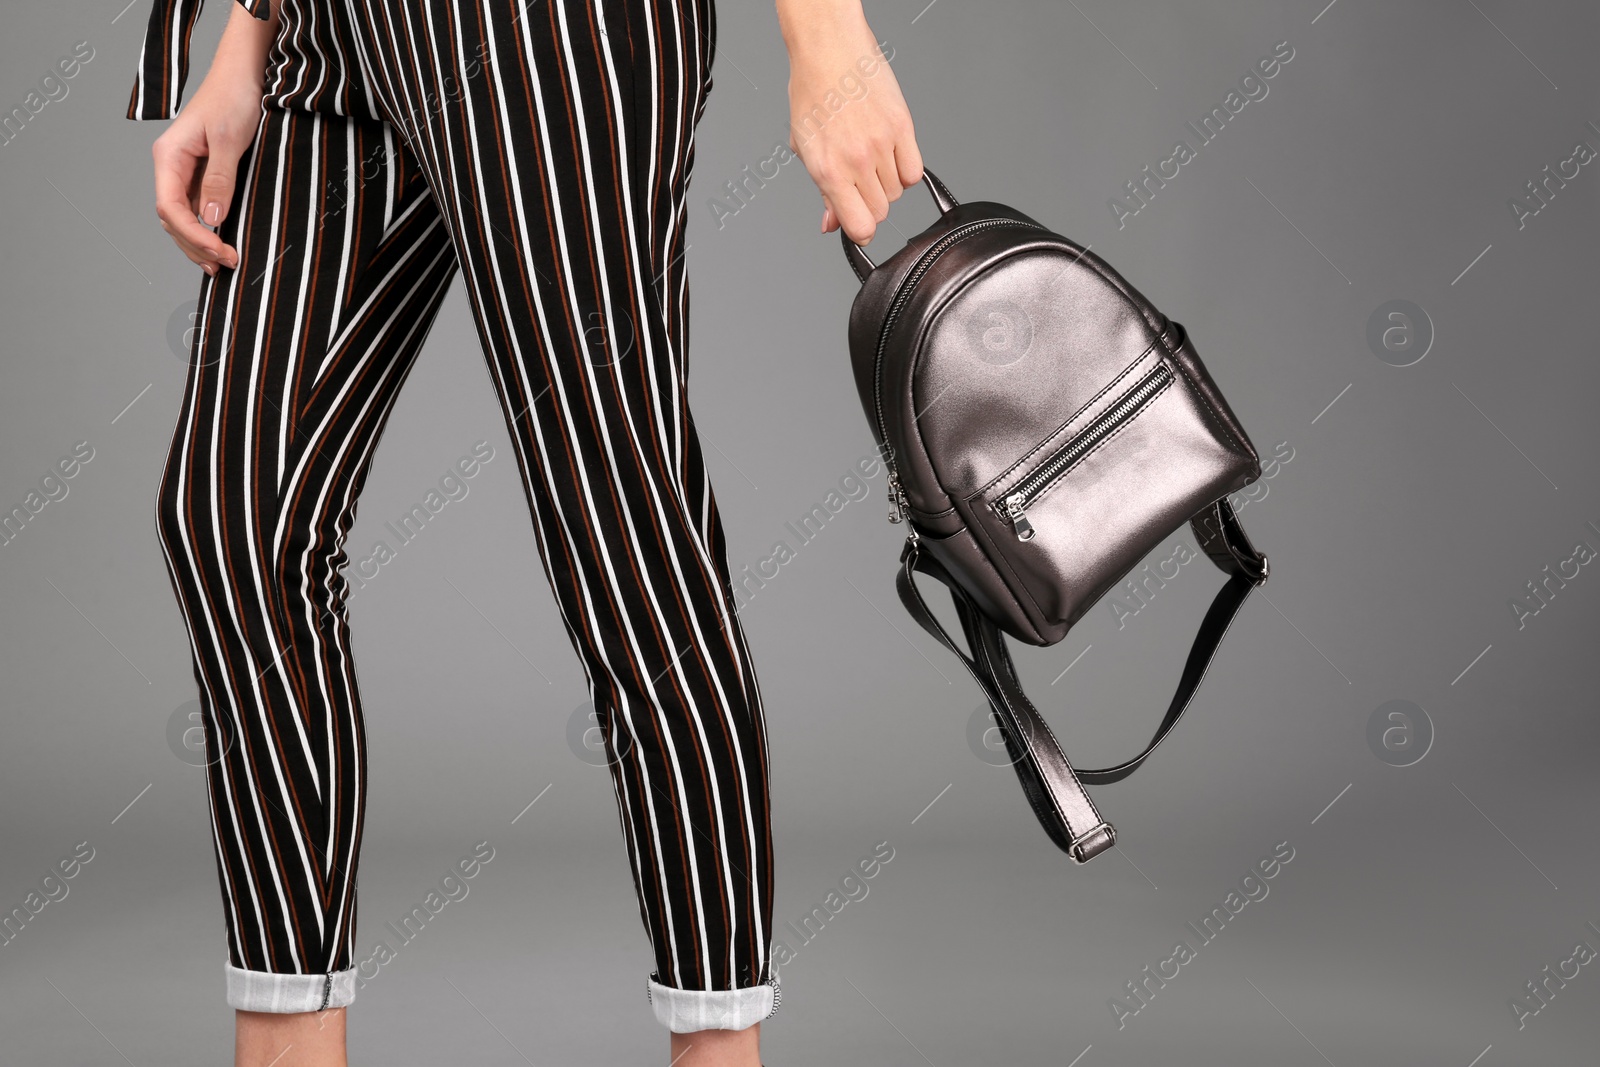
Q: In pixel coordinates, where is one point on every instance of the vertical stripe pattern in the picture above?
(542, 150)
(164, 57)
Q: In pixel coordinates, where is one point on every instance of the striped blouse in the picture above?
(164, 59)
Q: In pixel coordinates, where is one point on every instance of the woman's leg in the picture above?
(560, 138)
(302, 1039)
(717, 1048)
(299, 355)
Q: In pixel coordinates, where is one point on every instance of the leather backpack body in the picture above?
(1044, 428)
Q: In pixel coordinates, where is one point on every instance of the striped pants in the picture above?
(543, 148)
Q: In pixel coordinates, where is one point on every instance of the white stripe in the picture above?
(524, 393)
(607, 438)
(294, 30)
(348, 866)
(322, 63)
(337, 342)
(390, 176)
(175, 57)
(140, 82)
(336, 313)
(184, 426)
(303, 298)
(643, 292)
(406, 309)
(262, 600)
(221, 657)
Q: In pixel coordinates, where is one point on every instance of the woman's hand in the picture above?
(847, 120)
(197, 156)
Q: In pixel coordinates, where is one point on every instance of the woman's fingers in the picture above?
(176, 167)
(860, 152)
(862, 186)
(225, 147)
(871, 197)
(907, 157)
(888, 176)
(849, 209)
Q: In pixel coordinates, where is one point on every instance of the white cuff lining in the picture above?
(684, 1011)
(284, 993)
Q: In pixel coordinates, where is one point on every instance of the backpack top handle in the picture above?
(860, 262)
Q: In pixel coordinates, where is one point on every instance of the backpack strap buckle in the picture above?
(1093, 841)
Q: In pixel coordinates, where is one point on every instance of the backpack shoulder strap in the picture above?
(1053, 788)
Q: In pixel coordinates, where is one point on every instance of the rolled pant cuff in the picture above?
(684, 1011)
(283, 993)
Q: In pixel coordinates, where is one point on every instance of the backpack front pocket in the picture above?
(1014, 505)
(1080, 510)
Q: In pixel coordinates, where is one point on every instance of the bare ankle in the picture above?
(297, 1039)
(718, 1048)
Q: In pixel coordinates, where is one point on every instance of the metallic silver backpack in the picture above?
(1044, 427)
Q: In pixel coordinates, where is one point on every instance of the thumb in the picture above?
(216, 187)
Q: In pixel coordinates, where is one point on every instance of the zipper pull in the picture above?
(897, 498)
(1019, 521)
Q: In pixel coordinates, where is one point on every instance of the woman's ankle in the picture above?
(718, 1048)
(295, 1039)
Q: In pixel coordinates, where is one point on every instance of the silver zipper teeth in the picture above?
(904, 293)
(1125, 409)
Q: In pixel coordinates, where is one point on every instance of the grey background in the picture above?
(1414, 508)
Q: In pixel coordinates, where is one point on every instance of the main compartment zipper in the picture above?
(898, 506)
(1014, 504)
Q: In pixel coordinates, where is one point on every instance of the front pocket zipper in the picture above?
(1013, 505)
